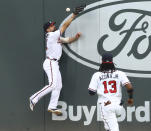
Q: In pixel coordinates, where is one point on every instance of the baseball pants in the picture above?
(51, 68)
(109, 115)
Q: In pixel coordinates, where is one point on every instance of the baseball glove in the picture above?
(79, 9)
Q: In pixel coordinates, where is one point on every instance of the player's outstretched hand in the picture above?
(79, 9)
(130, 102)
(78, 35)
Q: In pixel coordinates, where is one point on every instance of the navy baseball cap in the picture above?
(107, 58)
(49, 23)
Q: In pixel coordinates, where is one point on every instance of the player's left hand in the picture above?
(130, 102)
(79, 9)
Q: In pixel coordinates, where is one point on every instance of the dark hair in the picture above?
(107, 66)
(47, 24)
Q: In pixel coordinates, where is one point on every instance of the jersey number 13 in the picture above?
(112, 84)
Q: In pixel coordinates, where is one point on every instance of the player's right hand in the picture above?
(78, 35)
(130, 102)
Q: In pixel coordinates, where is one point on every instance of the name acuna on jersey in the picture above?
(108, 75)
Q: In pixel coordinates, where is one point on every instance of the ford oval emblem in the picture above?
(120, 27)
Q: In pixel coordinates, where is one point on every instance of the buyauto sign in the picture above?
(87, 113)
(120, 27)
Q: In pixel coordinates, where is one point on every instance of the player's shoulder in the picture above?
(97, 74)
(53, 33)
(120, 72)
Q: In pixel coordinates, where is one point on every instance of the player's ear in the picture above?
(47, 30)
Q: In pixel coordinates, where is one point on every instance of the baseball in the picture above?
(67, 9)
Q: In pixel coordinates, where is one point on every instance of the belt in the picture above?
(107, 103)
(52, 58)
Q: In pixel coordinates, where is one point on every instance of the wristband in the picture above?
(130, 93)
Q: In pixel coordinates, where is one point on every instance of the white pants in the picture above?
(51, 68)
(109, 115)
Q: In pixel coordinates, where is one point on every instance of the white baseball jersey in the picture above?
(108, 85)
(51, 67)
(53, 47)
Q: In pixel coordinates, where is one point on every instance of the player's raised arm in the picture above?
(67, 23)
(76, 11)
(129, 87)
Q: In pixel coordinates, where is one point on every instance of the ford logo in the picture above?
(120, 27)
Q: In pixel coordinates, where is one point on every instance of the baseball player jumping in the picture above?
(50, 65)
(107, 82)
